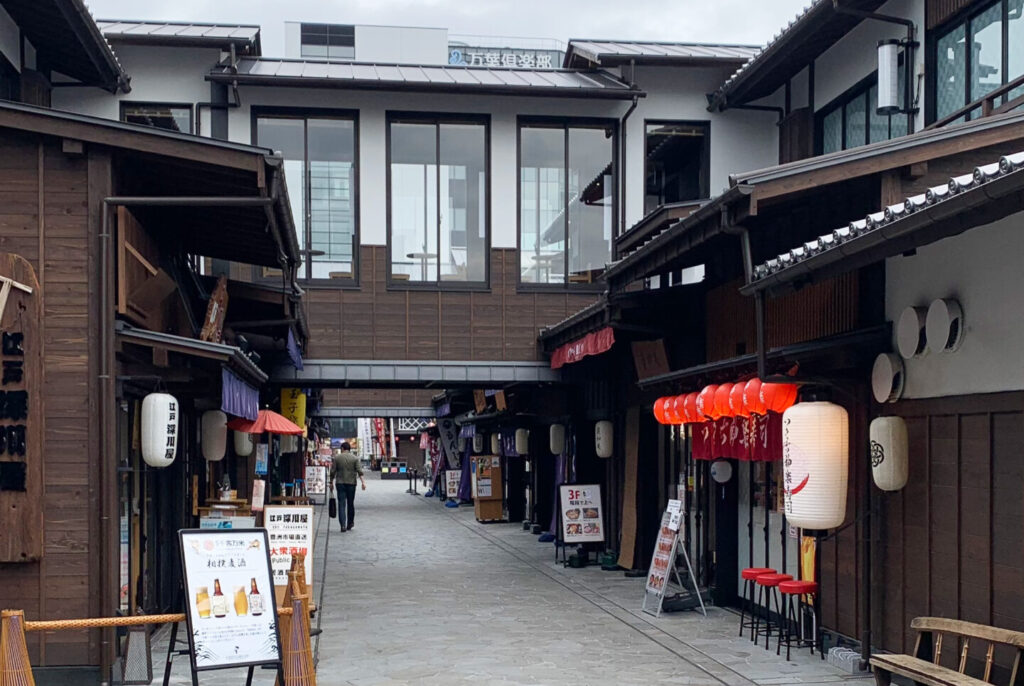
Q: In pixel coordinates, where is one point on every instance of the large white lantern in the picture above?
(244, 443)
(522, 441)
(478, 443)
(214, 431)
(890, 464)
(495, 443)
(556, 439)
(816, 457)
(461, 444)
(159, 429)
(603, 445)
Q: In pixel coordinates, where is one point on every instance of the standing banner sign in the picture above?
(663, 562)
(316, 480)
(450, 442)
(290, 528)
(452, 479)
(230, 608)
(582, 519)
(262, 458)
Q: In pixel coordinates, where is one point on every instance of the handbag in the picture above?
(332, 507)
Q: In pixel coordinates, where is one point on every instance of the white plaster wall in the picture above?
(981, 269)
(10, 36)
(401, 44)
(159, 74)
(292, 39)
(740, 139)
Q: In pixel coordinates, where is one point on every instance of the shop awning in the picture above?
(593, 343)
(237, 397)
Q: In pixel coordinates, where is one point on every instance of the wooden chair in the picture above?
(923, 666)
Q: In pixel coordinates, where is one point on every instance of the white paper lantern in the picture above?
(478, 443)
(603, 445)
(890, 465)
(462, 444)
(495, 443)
(289, 443)
(816, 457)
(244, 443)
(159, 429)
(214, 438)
(721, 471)
(522, 441)
(556, 439)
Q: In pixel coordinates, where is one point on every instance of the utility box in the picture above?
(488, 503)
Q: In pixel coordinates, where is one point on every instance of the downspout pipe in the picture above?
(624, 150)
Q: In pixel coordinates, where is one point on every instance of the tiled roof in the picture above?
(1008, 164)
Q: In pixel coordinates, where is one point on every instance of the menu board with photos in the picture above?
(664, 552)
(230, 608)
(582, 519)
(316, 480)
(290, 528)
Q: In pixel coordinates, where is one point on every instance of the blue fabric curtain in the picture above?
(237, 397)
(294, 353)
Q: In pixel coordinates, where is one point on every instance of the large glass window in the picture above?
(438, 188)
(976, 55)
(330, 41)
(852, 119)
(675, 163)
(160, 116)
(566, 201)
(320, 163)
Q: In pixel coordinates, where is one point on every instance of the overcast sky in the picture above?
(707, 21)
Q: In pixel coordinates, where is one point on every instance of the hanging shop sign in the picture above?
(450, 442)
(290, 528)
(452, 479)
(582, 518)
(593, 343)
(230, 608)
(262, 457)
(293, 405)
(316, 480)
(21, 414)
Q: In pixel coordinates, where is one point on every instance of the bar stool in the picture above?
(768, 589)
(795, 615)
(749, 575)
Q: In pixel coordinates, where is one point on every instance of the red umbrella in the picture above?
(267, 421)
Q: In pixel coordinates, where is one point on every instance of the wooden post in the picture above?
(15, 669)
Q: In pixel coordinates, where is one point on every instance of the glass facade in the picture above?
(328, 41)
(438, 194)
(566, 202)
(320, 163)
(852, 119)
(675, 163)
(160, 116)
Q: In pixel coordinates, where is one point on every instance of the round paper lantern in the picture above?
(495, 443)
(890, 465)
(675, 410)
(706, 402)
(556, 439)
(214, 434)
(816, 455)
(722, 400)
(778, 397)
(752, 397)
(244, 443)
(478, 443)
(288, 444)
(522, 441)
(659, 410)
(462, 444)
(736, 400)
(603, 439)
(159, 429)
(721, 470)
(690, 408)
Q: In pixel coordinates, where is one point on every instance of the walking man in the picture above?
(347, 467)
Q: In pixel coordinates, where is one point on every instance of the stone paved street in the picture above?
(419, 594)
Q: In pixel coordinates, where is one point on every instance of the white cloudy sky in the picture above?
(724, 21)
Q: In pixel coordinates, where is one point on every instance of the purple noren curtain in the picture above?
(294, 353)
(466, 483)
(237, 397)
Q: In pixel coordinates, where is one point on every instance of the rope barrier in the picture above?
(106, 622)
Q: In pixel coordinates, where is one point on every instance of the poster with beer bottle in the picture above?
(232, 619)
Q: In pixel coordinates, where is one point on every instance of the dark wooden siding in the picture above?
(951, 544)
(44, 216)
(938, 11)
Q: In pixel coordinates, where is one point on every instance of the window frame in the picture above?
(306, 113)
(565, 123)
(705, 172)
(861, 89)
(438, 118)
(123, 104)
(963, 17)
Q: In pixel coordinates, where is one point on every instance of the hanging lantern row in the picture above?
(726, 400)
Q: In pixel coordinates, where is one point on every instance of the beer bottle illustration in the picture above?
(219, 601)
(255, 600)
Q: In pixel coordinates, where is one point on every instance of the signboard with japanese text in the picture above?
(452, 479)
(230, 608)
(262, 458)
(582, 519)
(663, 560)
(290, 528)
(227, 522)
(258, 494)
(450, 442)
(293, 405)
(316, 480)
(519, 58)
(21, 411)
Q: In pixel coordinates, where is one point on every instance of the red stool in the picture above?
(768, 589)
(750, 575)
(795, 615)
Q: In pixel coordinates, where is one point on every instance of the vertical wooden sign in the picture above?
(21, 412)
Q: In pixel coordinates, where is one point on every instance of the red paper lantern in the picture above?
(752, 397)
(722, 400)
(736, 400)
(674, 410)
(706, 402)
(690, 409)
(778, 397)
(659, 410)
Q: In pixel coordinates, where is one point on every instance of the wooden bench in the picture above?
(923, 666)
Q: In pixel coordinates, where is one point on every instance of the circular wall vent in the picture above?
(945, 325)
(887, 378)
(910, 332)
